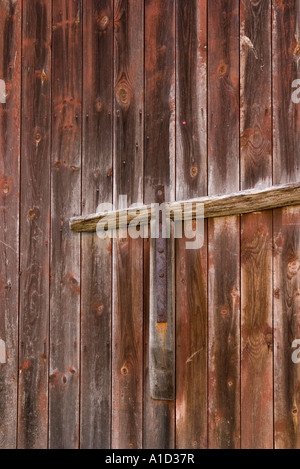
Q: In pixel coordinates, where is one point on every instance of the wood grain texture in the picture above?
(256, 89)
(223, 96)
(191, 345)
(191, 266)
(65, 249)
(127, 331)
(35, 225)
(223, 234)
(249, 201)
(286, 167)
(256, 242)
(191, 98)
(224, 333)
(159, 416)
(257, 333)
(286, 69)
(286, 326)
(95, 399)
(10, 73)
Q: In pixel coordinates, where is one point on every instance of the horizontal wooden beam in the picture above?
(253, 200)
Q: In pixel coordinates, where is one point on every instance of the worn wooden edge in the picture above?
(249, 201)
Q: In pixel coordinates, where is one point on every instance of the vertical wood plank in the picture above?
(256, 246)
(286, 326)
(191, 345)
(191, 99)
(191, 266)
(65, 247)
(159, 416)
(127, 331)
(10, 74)
(96, 254)
(286, 69)
(256, 110)
(257, 333)
(286, 168)
(224, 243)
(35, 229)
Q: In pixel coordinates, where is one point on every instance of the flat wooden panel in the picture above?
(286, 326)
(255, 82)
(35, 220)
(257, 333)
(65, 248)
(191, 268)
(286, 69)
(256, 244)
(286, 132)
(224, 243)
(224, 333)
(191, 98)
(159, 416)
(191, 345)
(96, 254)
(10, 68)
(127, 352)
(223, 96)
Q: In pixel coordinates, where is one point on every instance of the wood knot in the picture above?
(5, 188)
(293, 267)
(222, 70)
(31, 214)
(224, 311)
(37, 138)
(124, 370)
(123, 94)
(98, 105)
(102, 22)
(194, 171)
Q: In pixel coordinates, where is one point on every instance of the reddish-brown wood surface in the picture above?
(103, 98)
(223, 234)
(191, 266)
(256, 229)
(95, 399)
(286, 168)
(127, 330)
(35, 225)
(159, 416)
(65, 201)
(10, 106)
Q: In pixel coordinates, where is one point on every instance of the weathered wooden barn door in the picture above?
(134, 342)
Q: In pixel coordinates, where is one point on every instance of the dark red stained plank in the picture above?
(286, 168)
(96, 254)
(65, 246)
(127, 339)
(191, 266)
(10, 73)
(191, 99)
(159, 416)
(159, 98)
(256, 89)
(286, 326)
(256, 247)
(286, 69)
(257, 333)
(224, 333)
(191, 346)
(223, 96)
(35, 221)
(223, 234)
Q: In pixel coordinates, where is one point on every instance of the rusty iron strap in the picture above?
(161, 264)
